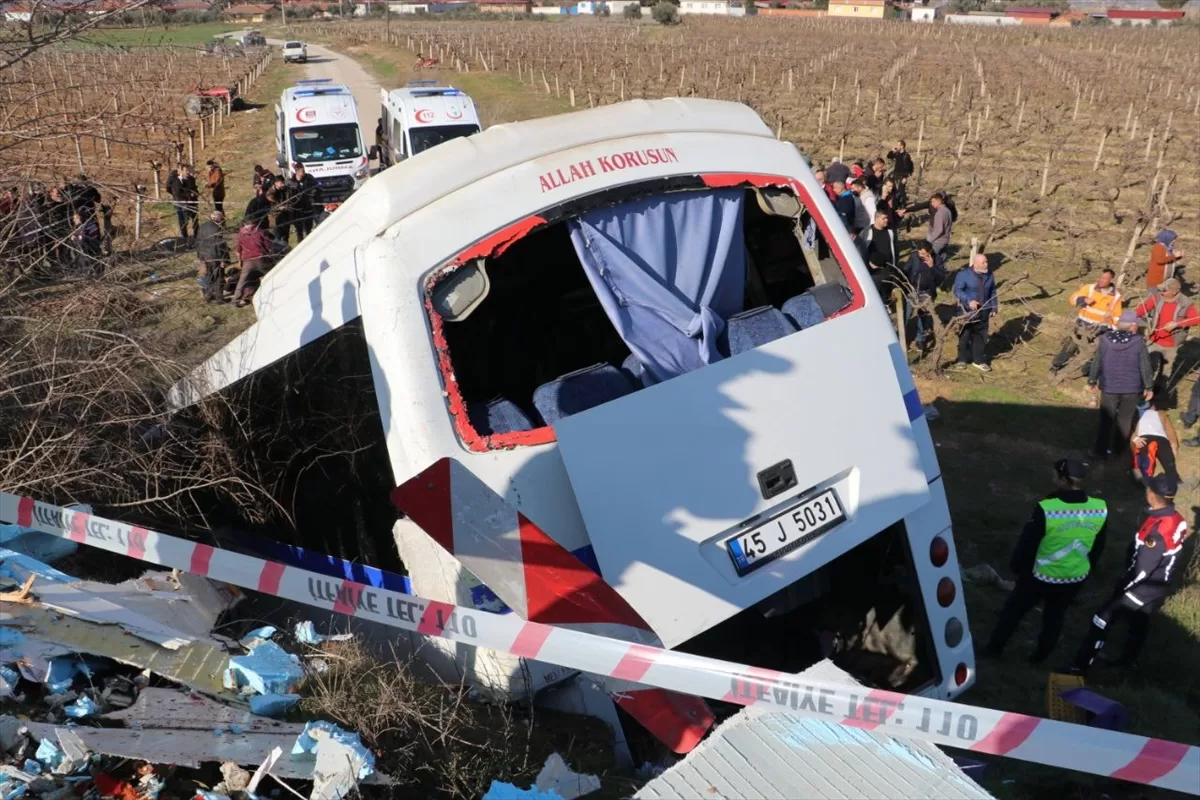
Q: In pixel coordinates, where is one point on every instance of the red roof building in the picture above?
(1156, 15)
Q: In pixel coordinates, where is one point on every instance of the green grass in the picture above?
(158, 35)
(498, 95)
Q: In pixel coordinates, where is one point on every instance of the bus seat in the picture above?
(817, 304)
(755, 327)
(633, 369)
(804, 310)
(580, 390)
(499, 416)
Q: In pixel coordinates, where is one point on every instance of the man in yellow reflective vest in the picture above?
(1097, 307)
(1061, 542)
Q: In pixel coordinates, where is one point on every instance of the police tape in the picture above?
(1128, 757)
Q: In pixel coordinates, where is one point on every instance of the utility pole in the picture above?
(387, 16)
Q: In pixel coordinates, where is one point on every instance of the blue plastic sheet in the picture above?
(306, 744)
(506, 791)
(266, 669)
(273, 705)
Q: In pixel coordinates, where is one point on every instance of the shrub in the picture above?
(603, 10)
(665, 13)
(632, 11)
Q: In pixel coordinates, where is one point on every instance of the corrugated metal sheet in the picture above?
(768, 755)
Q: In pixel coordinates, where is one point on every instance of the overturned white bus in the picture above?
(642, 327)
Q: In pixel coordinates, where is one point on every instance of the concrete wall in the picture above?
(857, 12)
(979, 19)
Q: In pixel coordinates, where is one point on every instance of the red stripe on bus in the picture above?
(426, 500)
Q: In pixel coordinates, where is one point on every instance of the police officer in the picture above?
(1061, 543)
(1146, 583)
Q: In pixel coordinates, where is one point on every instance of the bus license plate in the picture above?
(786, 531)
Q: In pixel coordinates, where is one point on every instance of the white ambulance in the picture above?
(594, 355)
(316, 124)
(420, 116)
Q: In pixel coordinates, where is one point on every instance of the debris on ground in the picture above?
(306, 633)
(266, 669)
(556, 781)
(986, 575)
(77, 659)
(273, 705)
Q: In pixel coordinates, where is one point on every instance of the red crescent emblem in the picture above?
(306, 114)
(454, 113)
(424, 115)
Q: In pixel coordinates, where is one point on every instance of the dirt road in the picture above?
(325, 63)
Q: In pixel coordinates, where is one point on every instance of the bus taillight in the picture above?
(939, 551)
(946, 592)
(960, 674)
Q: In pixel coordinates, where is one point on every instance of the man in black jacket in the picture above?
(1153, 558)
(280, 198)
(305, 196)
(1059, 547)
(1121, 372)
(882, 254)
(181, 185)
(925, 276)
(258, 210)
(213, 252)
(902, 170)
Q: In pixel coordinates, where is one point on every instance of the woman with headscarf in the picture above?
(1163, 256)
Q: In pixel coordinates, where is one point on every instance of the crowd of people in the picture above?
(54, 229)
(871, 200)
(281, 204)
(1129, 354)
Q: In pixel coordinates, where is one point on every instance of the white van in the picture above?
(607, 319)
(420, 116)
(295, 51)
(316, 124)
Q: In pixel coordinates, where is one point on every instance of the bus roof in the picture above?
(401, 190)
(324, 262)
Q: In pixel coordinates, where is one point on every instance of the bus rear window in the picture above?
(602, 302)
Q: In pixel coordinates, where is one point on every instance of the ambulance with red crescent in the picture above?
(621, 370)
(316, 124)
(420, 116)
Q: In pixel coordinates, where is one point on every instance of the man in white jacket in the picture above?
(865, 204)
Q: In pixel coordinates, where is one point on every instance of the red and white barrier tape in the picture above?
(1138, 759)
